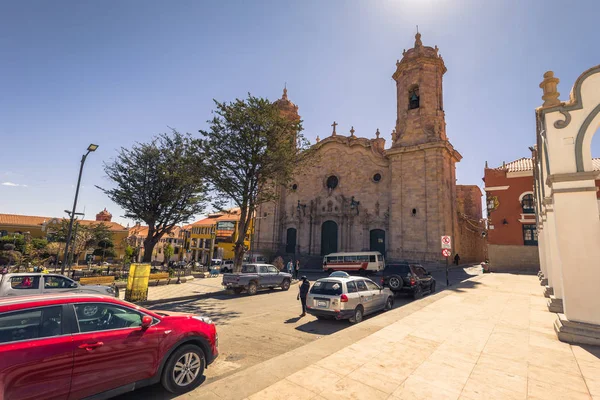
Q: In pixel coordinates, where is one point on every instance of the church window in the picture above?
(332, 182)
(414, 212)
(413, 97)
(377, 177)
(295, 187)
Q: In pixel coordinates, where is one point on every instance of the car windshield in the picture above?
(330, 288)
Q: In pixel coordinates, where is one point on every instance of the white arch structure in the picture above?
(567, 207)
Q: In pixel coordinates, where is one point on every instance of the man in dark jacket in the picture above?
(303, 289)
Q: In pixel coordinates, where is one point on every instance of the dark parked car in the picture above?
(408, 278)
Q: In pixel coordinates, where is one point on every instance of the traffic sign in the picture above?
(446, 242)
(446, 252)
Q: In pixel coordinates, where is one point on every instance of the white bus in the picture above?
(360, 261)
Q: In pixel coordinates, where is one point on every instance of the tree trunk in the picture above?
(238, 257)
(149, 244)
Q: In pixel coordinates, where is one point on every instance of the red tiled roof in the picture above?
(30, 220)
(526, 164)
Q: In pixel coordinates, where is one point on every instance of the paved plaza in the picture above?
(194, 287)
(490, 337)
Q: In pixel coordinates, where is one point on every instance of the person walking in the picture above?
(290, 267)
(297, 269)
(456, 259)
(303, 288)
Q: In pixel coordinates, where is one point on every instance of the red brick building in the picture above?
(512, 233)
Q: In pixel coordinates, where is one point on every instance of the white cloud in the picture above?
(12, 184)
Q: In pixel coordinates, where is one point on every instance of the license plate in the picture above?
(321, 304)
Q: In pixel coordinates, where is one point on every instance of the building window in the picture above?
(413, 97)
(377, 177)
(332, 182)
(530, 235)
(527, 204)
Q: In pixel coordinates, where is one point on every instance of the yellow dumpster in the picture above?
(137, 282)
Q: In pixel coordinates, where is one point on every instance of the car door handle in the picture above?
(91, 346)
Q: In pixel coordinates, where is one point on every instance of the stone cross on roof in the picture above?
(334, 125)
(377, 133)
(352, 131)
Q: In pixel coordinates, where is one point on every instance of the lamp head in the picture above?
(92, 147)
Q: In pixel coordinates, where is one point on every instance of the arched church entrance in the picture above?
(329, 237)
(377, 241)
(290, 244)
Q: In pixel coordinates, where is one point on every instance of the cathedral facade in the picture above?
(359, 195)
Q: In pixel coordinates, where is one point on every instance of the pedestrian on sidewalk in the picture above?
(456, 259)
(302, 293)
(290, 267)
(297, 269)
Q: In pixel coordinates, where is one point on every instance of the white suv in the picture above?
(350, 297)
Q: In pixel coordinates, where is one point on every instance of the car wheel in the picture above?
(395, 282)
(238, 290)
(418, 293)
(432, 287)
(389, 303)
(252, 288)
(285, 285)
(358, 316)
(184, 369)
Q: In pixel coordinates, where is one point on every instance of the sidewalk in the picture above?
(490, 337)
(194, 287)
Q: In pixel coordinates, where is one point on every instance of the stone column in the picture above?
(578, 235)
(555, 286)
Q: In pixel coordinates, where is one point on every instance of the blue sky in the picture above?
(113, 73)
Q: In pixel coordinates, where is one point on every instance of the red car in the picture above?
(74, 346)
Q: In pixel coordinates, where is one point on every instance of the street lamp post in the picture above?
(91, 147)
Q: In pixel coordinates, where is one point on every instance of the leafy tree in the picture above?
(85, 237)
(105, 248)
(249, 151)
(168, 252)
(159, 183)
(16, 240)
(129, 253)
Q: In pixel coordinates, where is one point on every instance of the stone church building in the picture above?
(359, 195)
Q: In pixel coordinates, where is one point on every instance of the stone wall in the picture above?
(507, 258)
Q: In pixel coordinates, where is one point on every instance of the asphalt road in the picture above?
(253, 329)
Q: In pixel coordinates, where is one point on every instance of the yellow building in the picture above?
(220, 229)
(42, 228)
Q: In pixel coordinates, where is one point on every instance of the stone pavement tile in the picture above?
(476, 390)
(559, 361)
(499, 379)
(553, 391)
(346, 358)
(549, 341)
(384, 375)
(587, 353)
(315, 378)
(501, 346)
(503, 364)
(571, 382)
(443, 375)
(283, 390)
(202, 395)
(593, 385)
(457, 358)
(425, 344)
(347, 388)
(417, 388)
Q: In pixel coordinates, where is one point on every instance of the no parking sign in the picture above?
(446, 252)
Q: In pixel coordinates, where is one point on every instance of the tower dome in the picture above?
(286, 107)
(104, 216)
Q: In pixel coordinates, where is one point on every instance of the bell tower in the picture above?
(422, 160)
(420, 108)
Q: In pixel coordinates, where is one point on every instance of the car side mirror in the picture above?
(146, 322)
(73, 285)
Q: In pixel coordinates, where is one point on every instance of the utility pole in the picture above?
(91, 147)
(213, 234)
